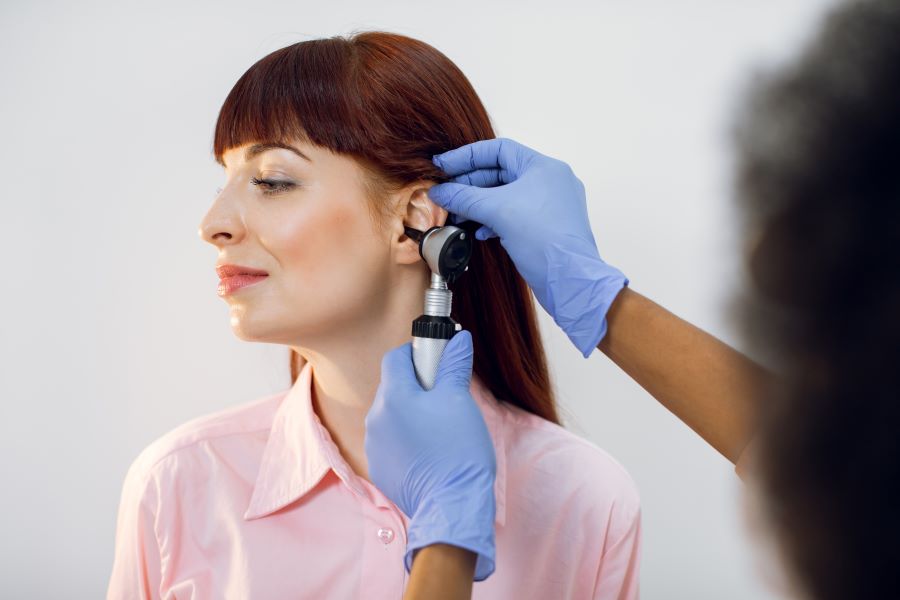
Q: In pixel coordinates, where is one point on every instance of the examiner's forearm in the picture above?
(711, 387)
(441, 572)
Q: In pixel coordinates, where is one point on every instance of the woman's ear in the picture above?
(416, 210)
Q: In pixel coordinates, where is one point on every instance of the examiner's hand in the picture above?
(430, 452)
(536, 206)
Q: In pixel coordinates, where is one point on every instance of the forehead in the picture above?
(300, 149)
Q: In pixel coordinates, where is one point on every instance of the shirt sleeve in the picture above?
(618, 574)
(136, 562)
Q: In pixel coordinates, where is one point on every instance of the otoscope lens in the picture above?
(456, 255)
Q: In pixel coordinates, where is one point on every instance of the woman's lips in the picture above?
(228, 285)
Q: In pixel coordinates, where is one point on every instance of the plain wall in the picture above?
(112, 332)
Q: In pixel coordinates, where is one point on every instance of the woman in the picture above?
(327, 148)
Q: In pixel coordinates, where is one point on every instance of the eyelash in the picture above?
(271, 187)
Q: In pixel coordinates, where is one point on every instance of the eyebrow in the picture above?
(257, 149)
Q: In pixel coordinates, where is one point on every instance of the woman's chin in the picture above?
(243, 336)
(245, 330)
(266, 332)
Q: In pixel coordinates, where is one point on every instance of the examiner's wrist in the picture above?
(441, 571)
(599, 284)
(461, 559)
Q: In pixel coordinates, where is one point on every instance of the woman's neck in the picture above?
(346, 368)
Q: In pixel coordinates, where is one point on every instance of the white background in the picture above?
(111, 331)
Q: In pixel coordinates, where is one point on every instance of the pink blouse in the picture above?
(256, 502)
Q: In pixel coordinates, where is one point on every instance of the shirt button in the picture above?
(386, 535)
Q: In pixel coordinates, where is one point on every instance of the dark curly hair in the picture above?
(818, 188)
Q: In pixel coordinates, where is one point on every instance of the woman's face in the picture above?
(307, 224)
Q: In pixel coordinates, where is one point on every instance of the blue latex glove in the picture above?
(536, 206)
(430, 452)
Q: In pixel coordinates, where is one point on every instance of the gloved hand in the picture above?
(536, 206)
(430, 452)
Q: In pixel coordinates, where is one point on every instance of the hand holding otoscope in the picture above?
(409, 428)
(537, 207)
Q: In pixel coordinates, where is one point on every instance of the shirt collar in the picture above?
(300, 451)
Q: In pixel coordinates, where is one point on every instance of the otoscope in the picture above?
(447, 250)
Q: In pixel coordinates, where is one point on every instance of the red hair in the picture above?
(392, 102)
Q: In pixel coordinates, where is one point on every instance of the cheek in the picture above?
(332, 258)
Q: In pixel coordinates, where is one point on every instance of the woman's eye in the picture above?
(271, 186)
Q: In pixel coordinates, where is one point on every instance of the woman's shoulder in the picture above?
(248, 417)
(543, 455)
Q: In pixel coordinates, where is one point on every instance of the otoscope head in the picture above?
(446, 249)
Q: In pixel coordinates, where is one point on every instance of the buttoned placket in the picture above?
(391, 535)
(383, 571)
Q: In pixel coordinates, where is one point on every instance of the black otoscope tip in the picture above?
(414, 233)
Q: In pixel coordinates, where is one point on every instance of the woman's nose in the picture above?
(222, 224)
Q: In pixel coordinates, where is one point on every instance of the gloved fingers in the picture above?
(456, 219)
(455, 366)
(497, 153)
(485, 233)
(467, 202)
(398, 373)
(396, 386)
(369, 442)
(485, 178)
(377, 445)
